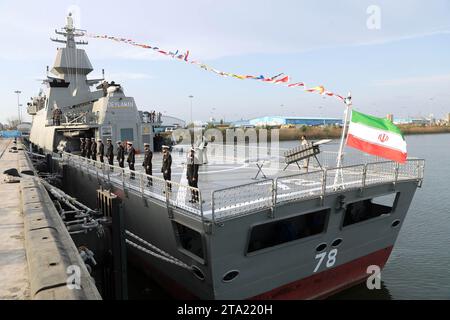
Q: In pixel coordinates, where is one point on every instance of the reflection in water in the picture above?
(361, 292)
(141, 287)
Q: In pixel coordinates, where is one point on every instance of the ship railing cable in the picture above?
(172, 193)
(160, 254)
(256, 197)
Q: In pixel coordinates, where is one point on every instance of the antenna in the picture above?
(103, 74)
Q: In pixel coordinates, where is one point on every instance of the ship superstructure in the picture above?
(101, 112)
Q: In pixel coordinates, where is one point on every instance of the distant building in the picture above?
(170, 123)
(24, 128)
(297, 121)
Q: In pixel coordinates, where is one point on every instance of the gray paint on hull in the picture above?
(226, 246)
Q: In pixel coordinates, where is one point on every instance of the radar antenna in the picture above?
(70, 33)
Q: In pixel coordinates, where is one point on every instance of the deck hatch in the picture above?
(190, 240)
(370, 208)
(277, 232)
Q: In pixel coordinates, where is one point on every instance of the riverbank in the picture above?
(334, 132)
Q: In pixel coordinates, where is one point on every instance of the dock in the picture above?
(37, 254)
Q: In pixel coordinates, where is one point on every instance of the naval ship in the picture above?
(100, 114)
(288, 235)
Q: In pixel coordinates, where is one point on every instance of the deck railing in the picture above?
(233, 202)
(242, 200)
(172, 193)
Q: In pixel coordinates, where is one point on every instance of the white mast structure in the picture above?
(340, 157)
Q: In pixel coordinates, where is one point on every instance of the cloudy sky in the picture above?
(394, 56)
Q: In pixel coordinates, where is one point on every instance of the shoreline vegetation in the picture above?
(334, 132)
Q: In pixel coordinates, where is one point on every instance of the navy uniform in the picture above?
(82, 147)
(120, 154)
(109, 152)
(94, 150)
(131, 159)
(192, 174)
(147, 164)
(167, 166)
(101, 150)
(88, 148)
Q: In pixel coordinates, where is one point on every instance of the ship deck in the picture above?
(228, 188)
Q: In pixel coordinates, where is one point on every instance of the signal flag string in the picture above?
(280, 79)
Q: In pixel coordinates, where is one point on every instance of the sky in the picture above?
(393, 56)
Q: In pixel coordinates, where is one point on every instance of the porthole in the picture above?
(395, 223)
(198, 273)
(321, 247)
(336, 242)
(230, 276)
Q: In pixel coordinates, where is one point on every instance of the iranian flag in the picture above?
(377, 136)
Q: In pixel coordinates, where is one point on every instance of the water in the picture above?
(419, 266)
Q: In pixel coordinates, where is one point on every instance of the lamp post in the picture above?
(18, 103)
(191, 97)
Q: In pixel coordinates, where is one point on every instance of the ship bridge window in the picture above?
(189, 239)
(371, 208)
(126, 134)
(286, 230)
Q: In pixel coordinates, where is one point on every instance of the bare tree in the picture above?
(13, 123)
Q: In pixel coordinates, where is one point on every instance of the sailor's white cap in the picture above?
(109, 139)
(93, 139)
(130, 142)
(118, 142)
(165, 147)
(99, 140)
(146, 144)
(81, 138)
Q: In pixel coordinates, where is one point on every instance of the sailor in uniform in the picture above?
(147, 164)
(192, 174)
(101, 149)
(82, 147)
(109, 152)
(94, 149)
(131, 158)
(88, 148)
(167, 166)
(120, 154)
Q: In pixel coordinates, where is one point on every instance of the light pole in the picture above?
(18, 103)
(191, 97)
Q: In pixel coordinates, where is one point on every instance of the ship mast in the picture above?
(70, 33)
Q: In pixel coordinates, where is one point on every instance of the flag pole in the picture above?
(340, 157)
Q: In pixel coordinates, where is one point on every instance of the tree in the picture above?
(13, 123)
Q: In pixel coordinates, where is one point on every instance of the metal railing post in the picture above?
(213, 216)
(166, 187)
(274, 187)
(363, 181)
(324, 185)
(396, 173)
(141, 182)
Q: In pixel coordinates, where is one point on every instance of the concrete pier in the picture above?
(14, 280)
(36, 250)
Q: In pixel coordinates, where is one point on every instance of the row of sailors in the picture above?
(89, 149)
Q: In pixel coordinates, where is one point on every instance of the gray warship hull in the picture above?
(224, 250)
